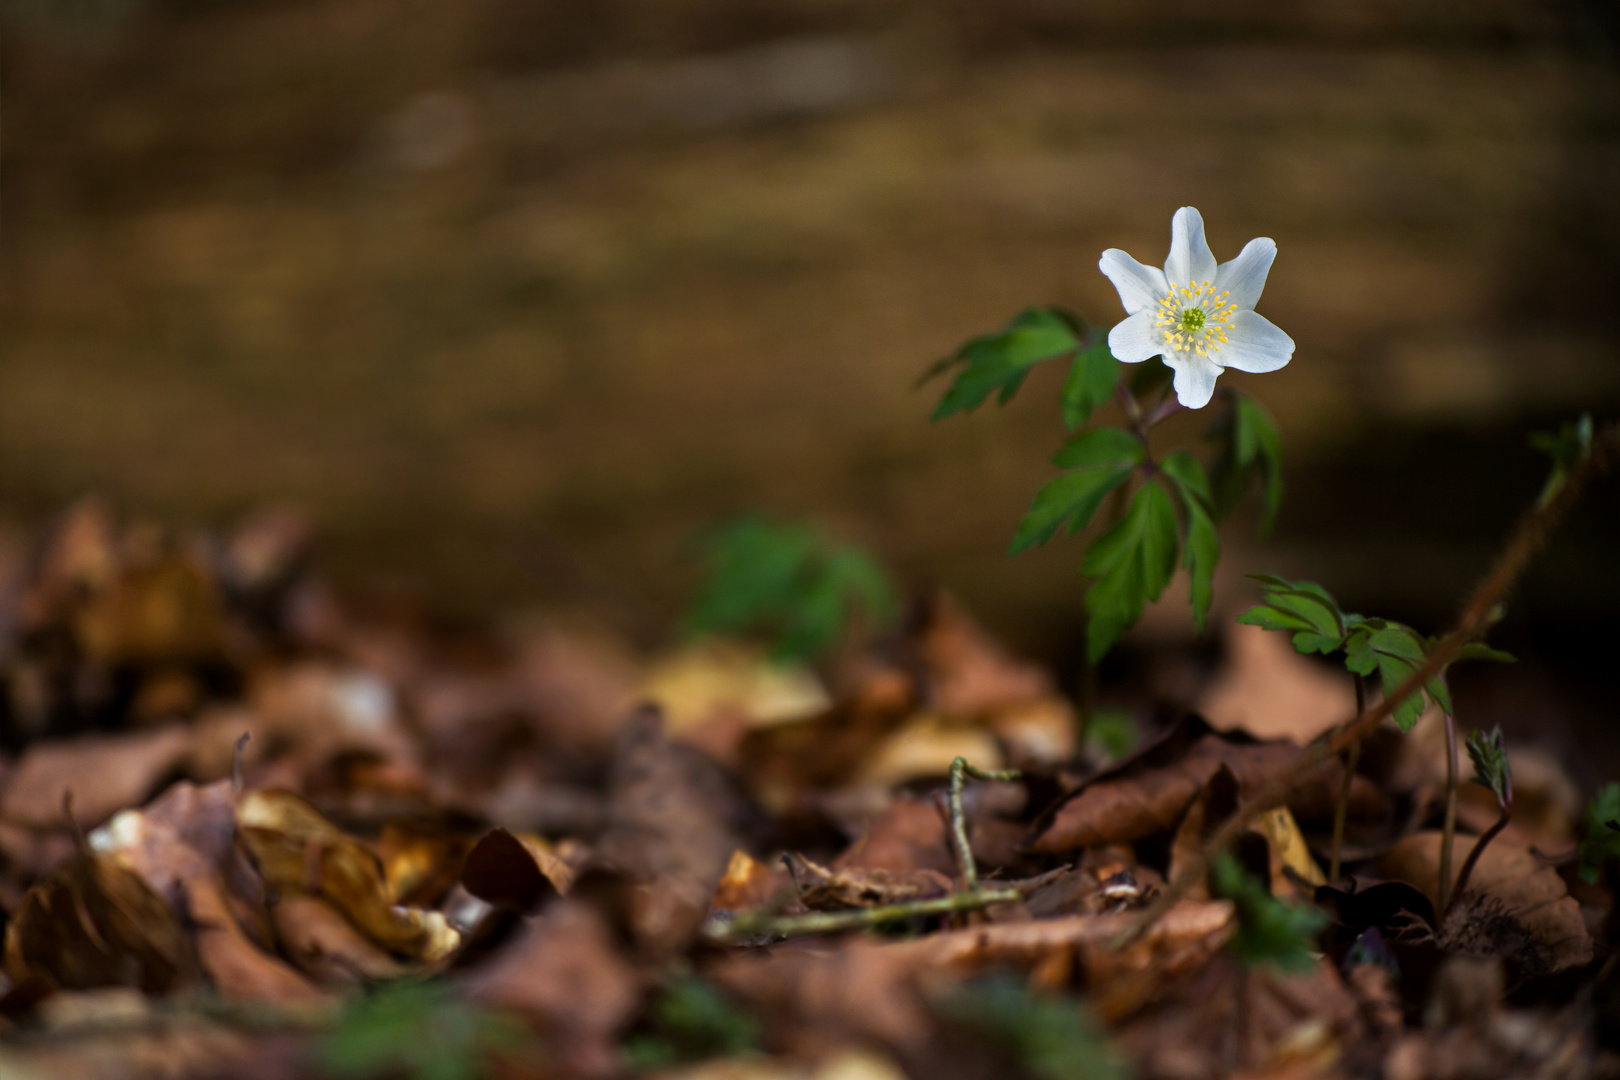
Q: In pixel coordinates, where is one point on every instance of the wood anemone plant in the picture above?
(1492, 772)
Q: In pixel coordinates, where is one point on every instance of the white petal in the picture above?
(1245, 275)
(1136, 338)
(1139, 286)
(1253, 343)
(1191, 261)
(1195, 378)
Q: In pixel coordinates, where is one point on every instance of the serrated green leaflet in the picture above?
(1268, 930)
(1491, 769)
(1201, 545)
(1092, 377)
(1251, 451)
(1102, 459)
(1132, 563)
(997, 363)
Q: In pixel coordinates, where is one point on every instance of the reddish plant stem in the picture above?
(1526, 540)
(1342, 810)
(1448, 830)
(1470, 862)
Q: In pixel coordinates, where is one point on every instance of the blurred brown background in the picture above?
(514, 295)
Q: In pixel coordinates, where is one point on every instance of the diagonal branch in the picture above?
(1527, 539)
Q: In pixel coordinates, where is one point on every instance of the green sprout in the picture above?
(690, 1020)
(1492, 772)
(1268, 930)
(790, 584)
(418, 1030)
(1049, 1037)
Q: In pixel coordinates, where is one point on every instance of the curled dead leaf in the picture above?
(1149, 792)
(238, 968)
(514, 872)
(297, 849)
(94, 922)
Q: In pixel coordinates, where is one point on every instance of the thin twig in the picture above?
(1531, 533)
(752, 926)
(960, 770)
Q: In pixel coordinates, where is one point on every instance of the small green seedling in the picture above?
(791, 585)
(689, 1021)
(1600, 839)
(1492, 772)
(1050, 1037)
(420, 1031)
(1268, 930)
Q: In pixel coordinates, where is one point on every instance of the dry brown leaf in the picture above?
(925, 746)
(93, 922)
(104, 773)
(970, 674)
(420, 864)
(295, 848)
(823, 889)
(747, 884)
(565, 975)
(1149, 792)
(325, 945)
(239, 969)
(188, 831)
(1261, 1021)
(675, 817)
(516, 873)
(1516, 905)
(908, 835)
(1272, 692)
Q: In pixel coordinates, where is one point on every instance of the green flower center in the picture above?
(1192, 319)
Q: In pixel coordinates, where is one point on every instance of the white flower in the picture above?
(1200, 317)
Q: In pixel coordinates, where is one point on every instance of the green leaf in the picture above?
(421, 1031)
(997, 363)
(1132, 563)
(1251, 451)
(690, 1020)
(1201, 545)
(1100, 447)
(789, 584)
(1070, 500)
(1600, 839)
(1102, 459)
(1112, 732)
(1321, 617)
(1476, 651)
(1270, 618)
(1049, 1037)
(1091, 381)
(1308, 642)
(1268, 930)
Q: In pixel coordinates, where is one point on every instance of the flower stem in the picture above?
(1352, 758)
